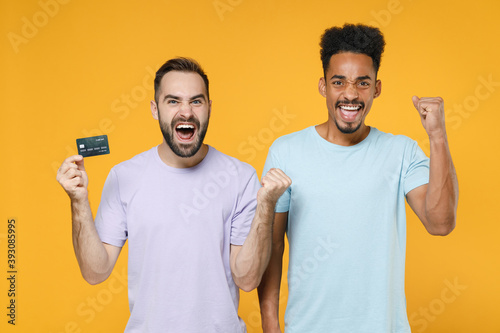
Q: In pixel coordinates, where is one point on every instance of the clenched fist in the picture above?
(431, 110)
(73, 178)
(274, 184)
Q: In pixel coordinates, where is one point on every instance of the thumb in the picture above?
(415, 100)
(80, 164)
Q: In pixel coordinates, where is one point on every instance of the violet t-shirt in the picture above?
(180, 223)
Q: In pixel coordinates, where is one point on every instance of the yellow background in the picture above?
(86, 68)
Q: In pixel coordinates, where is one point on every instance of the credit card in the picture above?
(92, 146)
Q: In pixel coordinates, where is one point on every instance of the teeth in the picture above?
(185, 126)
(350, 108)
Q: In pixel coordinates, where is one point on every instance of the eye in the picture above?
(337, 83)
(197, 102)
(172, 101)
(364, 84)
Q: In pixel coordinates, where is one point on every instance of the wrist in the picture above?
(267, 203)
(270, 320)
(270, 325)
(438, 136)
(79, 202)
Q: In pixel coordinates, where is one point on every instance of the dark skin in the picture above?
(350, 86)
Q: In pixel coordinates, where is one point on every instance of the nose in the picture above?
(185, 110)
(351, 91)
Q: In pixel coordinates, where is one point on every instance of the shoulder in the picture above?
(291, 148)
(298, 136)
(232, 165)
(294, 139)
(395, 144)
(136, 164)
(384, 138)
(239, 176)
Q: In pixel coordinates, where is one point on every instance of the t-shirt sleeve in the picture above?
(283, 204)
(417, 173)
(110, 220)
(245, 210)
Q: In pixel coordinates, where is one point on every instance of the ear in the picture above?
(209, 108)
(378, 89)
(322, 86)
(154, 109)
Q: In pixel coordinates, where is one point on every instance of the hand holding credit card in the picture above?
(93, 146)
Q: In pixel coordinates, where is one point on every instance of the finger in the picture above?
(66, 171)
(73, 159)
(74, 182)
(277, 175)
(280, 177)
(69, 163)
(436, 99)
(277, 172)
(80, 164)
(415, 101)
(276, 180)
(269, 178)
(82, 181)
(270, 172)
(72, 173)
(283, 175)
(68, 166)
(429, 106)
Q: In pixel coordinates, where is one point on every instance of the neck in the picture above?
(171, 159)
(329, 131)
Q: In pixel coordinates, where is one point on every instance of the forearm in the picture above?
(269, 290)
(442, 192)
(253, 257)
(92, 257)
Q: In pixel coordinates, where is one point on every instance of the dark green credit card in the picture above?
(92, 146)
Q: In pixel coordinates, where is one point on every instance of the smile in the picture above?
(349, 113)
(350, 108)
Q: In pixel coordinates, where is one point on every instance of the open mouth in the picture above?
(185, 131)
(349, 112)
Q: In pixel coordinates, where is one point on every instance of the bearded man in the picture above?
(198, 222)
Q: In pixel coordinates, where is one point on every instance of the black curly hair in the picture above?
(356, 38)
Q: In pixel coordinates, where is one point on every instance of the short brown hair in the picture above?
(180, 64)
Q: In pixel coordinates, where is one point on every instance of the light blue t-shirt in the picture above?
(347, 230)
(179, 224)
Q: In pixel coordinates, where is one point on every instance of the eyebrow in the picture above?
(202, 96)
(359, 78)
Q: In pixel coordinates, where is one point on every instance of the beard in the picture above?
(183, 149)
(349, 128)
